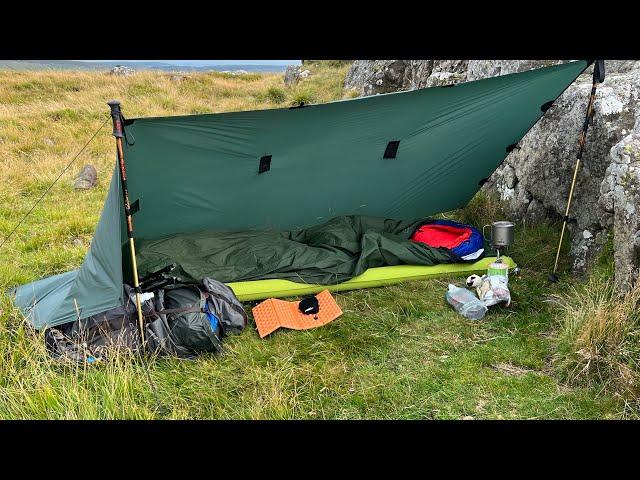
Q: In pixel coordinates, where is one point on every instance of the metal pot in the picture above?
(502, 233)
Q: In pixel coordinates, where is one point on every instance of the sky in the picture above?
(198, 63)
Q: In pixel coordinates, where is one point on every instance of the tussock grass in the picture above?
(33, 385)
(397, 352)
(276, 95)
(599, 339)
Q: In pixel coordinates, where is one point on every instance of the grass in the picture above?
(397, 352)
(598, 344)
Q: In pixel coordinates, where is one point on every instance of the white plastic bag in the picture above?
(491, 289)
(465, 303)
(499, 291)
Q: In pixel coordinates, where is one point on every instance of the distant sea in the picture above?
(167, 67)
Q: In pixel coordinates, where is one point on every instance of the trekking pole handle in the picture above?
(598, 71)
(116, 116)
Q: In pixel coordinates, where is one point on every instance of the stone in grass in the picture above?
(293, 74)
(88, 178)
(179, 77)
(121, 71)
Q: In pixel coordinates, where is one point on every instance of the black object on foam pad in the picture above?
(309, 305)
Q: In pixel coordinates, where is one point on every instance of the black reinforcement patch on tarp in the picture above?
(265, 164)
(135, 206)
(392, 149)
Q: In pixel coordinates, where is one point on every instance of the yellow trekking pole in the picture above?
(118, 133)
(598, 77)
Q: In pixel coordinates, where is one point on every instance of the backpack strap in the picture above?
(171, 311)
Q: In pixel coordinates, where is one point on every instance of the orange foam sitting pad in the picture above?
(273, 314)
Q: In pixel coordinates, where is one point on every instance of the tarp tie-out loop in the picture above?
(512, 147)
(546, 106)
(124, 131)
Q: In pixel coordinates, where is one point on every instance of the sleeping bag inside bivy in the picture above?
(463, 240)
(329, 253)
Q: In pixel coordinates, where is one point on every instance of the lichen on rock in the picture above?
(621, 194)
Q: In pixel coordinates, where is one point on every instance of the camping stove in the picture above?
(502, 236)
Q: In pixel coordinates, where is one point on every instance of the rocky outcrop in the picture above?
(534, 181)
(620, 196)
(371, 77)
(87, 178)
(294, 73)
(479, 69)
(443, 72)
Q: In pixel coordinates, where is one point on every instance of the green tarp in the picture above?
(198, 172)
(93, 288)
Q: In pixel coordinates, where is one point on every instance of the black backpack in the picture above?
(190, 319)
(183, 321)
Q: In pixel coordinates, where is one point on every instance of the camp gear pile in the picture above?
(491, 289)
(402, 155)
(274, 313)
(182, 321)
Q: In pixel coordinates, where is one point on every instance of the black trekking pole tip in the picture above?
(553, 278)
